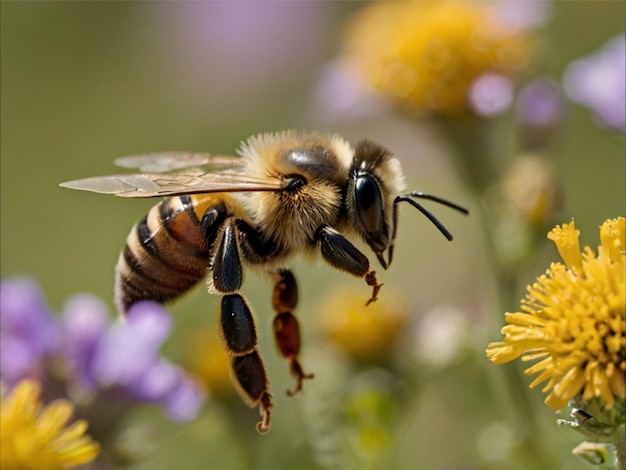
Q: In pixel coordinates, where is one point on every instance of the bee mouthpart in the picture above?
(381, 259)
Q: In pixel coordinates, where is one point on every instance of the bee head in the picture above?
(375, 180)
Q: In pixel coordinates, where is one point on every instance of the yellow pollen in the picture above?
(566, 239)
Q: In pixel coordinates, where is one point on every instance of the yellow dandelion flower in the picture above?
(425, 55)
(572, 320)
(364, 333)
(34, 437)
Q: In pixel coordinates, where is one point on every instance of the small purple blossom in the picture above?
(598, 81)
(540, 104)
(29, 333)
(97, 355)
(490, 94)
(528, 14)
(540, 107)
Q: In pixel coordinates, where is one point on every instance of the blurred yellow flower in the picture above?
(424, 55)
(573, 320)
(365, 334)
(209, 362)
(34, 437)
(530, 190)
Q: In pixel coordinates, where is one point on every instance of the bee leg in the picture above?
(226, 264)
(371, 280)
(343, 255)
(287, 336)
(239, 335)
(249, 372)
(286, 329)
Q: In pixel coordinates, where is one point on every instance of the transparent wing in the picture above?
(157, 184)
(170, 161)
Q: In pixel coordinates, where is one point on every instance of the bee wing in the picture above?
(169, 161)
(157, 184)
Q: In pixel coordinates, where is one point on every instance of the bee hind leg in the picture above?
(286, 328)
(239, 335)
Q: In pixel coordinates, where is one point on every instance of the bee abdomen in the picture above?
(167, 253)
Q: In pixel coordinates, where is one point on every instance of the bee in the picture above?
(286, 194)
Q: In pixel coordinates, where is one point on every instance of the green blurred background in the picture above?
(84, 83)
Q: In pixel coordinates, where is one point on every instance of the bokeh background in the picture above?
(84, 83)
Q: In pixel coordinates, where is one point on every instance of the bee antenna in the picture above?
(427, 213)
(445, 202)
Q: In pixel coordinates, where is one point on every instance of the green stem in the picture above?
(472, 142)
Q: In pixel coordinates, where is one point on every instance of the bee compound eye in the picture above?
(369, 203)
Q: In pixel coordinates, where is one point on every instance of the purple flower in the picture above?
(540, 104)
(130, 347)
(529, 14)
(85, 323)
(598, 82)
(97, 356)
(183, 402)
(29, 333)
(128, 356)
(491, 94)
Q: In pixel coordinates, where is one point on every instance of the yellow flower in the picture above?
(530, 191)
(572, 319)
(34, 437)
(365, 334)
(425, 55)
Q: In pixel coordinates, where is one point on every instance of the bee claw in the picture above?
(264, 426)
(371, 280)
(298, 373)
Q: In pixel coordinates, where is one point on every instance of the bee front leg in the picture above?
(341, 254)
(286, 329)
(239, 335)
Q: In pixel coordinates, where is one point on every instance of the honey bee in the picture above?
(287, 193)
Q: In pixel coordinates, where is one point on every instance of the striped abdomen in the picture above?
(168, 252)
